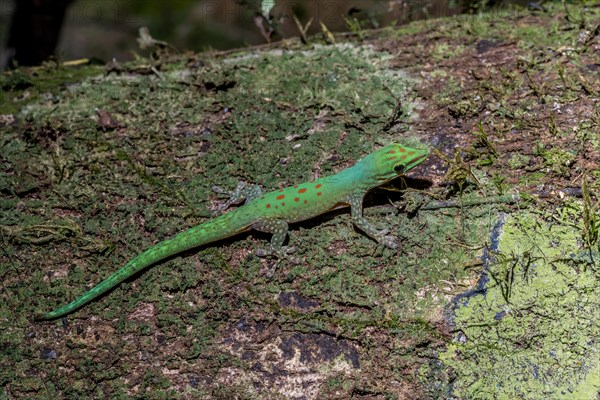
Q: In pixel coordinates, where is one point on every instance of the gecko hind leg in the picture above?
(279, 229)
(242, 192)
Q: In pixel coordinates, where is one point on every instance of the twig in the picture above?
(436, 205)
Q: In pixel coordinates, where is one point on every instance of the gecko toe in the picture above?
(389, 242)
(263, 252)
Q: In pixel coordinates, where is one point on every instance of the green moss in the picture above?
(445, 51)
(518, 161)
(532, 179)
(22, 87)
(558, 160)
(448, 95)
(462, 108)
(596, 176)
(532, 334)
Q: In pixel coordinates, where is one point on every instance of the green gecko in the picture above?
(271, 213)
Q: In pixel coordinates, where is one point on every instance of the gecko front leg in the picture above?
(381, 236)
(239, 194)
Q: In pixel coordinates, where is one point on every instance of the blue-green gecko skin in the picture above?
(272, 212)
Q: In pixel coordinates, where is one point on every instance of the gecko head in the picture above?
(393, 160)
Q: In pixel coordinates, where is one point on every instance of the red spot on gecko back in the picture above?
(301, 190)
(268, 205)
(391, 158)
(305, 201)
(392, 151)
(403, 157)
(318, 185)
(281, 197)
(410, 153)
(401, 150)
(296, 199)
(319, 193)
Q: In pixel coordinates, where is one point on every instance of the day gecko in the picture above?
(273, 211)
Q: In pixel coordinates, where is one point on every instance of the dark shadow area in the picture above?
(34, 31)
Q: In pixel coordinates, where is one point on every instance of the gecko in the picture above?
(272, 212)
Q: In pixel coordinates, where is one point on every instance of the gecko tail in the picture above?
(209, 232)
(135, 265)
(160, 251)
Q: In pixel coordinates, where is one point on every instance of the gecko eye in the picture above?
(399, 168)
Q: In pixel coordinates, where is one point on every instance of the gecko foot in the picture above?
(235, 197)
(242, 192)
(281, 254)
(388, 241)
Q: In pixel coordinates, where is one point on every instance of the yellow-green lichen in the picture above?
(532, 332)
